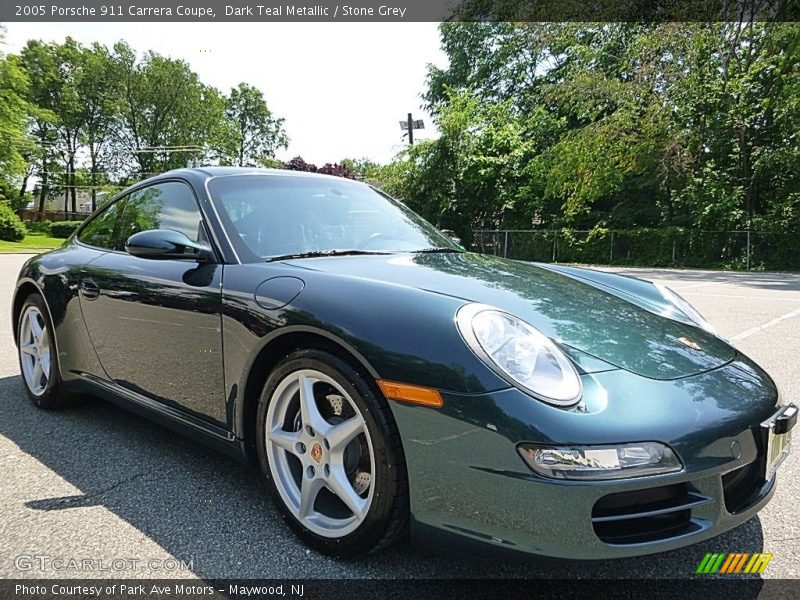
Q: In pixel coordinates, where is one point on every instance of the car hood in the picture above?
(575, 312)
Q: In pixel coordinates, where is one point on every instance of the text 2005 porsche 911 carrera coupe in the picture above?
(388, 382)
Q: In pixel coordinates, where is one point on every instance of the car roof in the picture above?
(209, 172)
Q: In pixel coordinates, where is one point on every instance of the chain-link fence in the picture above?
(646, 247)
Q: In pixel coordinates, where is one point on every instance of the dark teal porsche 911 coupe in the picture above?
(389, 383)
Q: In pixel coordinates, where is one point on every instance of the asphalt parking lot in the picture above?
(97, 482)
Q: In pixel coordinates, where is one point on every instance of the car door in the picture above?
(155, 324)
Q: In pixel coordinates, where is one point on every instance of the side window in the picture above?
(169, 205)
(99, 232)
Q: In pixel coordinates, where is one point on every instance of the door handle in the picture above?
(89, 289)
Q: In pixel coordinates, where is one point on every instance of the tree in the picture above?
(298, 164)
(97, 118)
(250, 134)
(482, 172)
(99, 88)
(362, 169)
(69, 110)
(495, 61)
(168, 115)
(336, 169)
(57, 72)
(13, 116)
(617, 124)
(39, 63)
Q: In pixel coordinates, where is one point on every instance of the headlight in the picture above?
(519, 353)
(601, 462)
(682, 305)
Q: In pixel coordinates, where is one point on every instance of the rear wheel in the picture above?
(331, 455)
(37, 355)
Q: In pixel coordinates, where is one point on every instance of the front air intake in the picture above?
(649, 515)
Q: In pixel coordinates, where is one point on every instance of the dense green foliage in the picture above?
(39, 227)
(13, 114)
(656, 131)
(64, 229)
(12, 229)
(610, 126)
(252, 134)
(75, 117)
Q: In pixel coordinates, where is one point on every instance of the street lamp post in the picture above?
(409, 125)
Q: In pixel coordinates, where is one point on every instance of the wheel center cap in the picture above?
(316, 452)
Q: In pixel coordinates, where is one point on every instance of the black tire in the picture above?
(386, 521)
(53, 395)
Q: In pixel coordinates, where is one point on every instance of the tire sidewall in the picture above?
(371, 529)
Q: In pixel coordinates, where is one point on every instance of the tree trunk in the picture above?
(66, 185)
(241, 141)
(94, 185)
(73, 191)
(43, 187)
(24, 187)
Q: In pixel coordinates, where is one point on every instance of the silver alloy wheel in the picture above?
(320, 453)
(34, 351)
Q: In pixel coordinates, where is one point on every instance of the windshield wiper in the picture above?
(319, 253)
(432, 250)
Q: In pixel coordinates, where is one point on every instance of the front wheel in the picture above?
(331, 455)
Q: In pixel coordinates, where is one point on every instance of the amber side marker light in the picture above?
(413, 394)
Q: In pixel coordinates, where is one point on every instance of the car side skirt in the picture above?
(179, 421)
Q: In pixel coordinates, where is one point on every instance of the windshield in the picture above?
(273, 216)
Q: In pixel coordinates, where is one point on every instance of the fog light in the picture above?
(601, 462)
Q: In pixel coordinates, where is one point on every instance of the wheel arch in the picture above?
(272, 350)
(25, 289)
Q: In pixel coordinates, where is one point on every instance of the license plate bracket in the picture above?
(778, 430)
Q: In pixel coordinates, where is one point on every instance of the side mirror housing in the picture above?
(166, 244)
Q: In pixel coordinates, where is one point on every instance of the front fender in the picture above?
(397, 333)
(405, 334)
(55, 276)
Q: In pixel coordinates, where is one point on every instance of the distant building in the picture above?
(55, 201)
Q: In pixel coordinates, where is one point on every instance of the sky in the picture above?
(342, 87)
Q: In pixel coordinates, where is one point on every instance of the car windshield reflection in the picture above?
(293, 217)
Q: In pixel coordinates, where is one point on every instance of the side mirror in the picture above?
(166, 244)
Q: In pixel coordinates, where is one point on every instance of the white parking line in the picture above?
(768, 298)
(679, 288)
(766, 325)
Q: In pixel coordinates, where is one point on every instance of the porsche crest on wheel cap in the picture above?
(316, 452)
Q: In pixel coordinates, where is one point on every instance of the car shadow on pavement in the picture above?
(201, 506)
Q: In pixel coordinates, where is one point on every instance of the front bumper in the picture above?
(469, 484)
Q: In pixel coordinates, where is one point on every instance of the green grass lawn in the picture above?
(33, 243)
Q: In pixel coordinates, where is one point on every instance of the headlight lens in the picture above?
(601, 462)
(682, 305)
(520, 353)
